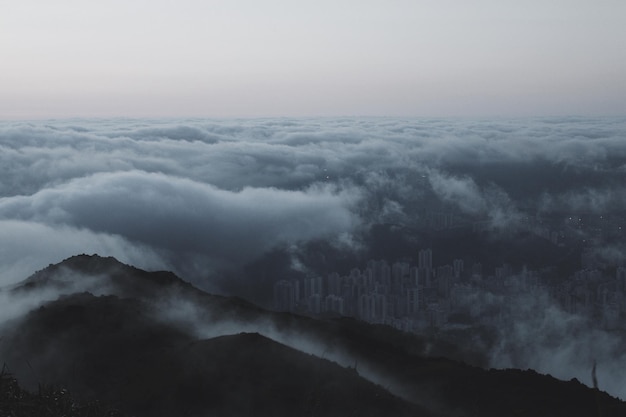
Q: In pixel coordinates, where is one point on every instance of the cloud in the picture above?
(489, 202)
(207, 191)
(180, 132)
(290, 153)
(183, 216)
(543, 337)
(462, 191)
(584, 200)
(27, 246)
(206, 197)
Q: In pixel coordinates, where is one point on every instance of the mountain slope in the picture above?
(157, 345)
(110, 348)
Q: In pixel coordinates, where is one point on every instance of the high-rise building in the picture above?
(380, 307)
(365, 307)
(425, 267)
(313, 286)
(445, 274)
(315, 304)
(334, 304)
(477, 270)
(399, 276)
(425, 277)
(382, 273)
(503, 271)
(334, 284)
(425, 258)
(412, 301)
(414, 277)
(368, 278)
(457, 264)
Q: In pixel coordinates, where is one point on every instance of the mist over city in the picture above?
(504, 236)
(201, 196)
(365, 208)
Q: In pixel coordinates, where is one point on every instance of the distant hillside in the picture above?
(151, 344)
(109, 348)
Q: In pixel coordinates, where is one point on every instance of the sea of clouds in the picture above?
(202, 196)
(198, 195)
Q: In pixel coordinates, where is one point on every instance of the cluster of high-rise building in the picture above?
(398, 294)
(411, 297)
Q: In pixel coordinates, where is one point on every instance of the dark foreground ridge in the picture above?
(150, 344)
(48, 401)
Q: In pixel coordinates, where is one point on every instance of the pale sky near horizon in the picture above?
(246, 58)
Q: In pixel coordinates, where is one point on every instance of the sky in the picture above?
(244, 58)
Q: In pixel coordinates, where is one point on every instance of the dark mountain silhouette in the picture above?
(105, 274)
(151, 344)
(112, 349)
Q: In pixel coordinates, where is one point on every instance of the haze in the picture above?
(276, 58)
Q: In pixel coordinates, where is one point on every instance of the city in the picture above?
(412, 296)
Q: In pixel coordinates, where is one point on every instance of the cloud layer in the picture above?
(206, 194)
(223, 201)
(176, 215)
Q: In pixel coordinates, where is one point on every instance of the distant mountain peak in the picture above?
(101, 275)
(91, 264)
(86, 261)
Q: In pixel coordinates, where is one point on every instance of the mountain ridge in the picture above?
(164, 315)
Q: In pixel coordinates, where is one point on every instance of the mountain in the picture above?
(151, 344)
(112, 349)
(99, 274)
